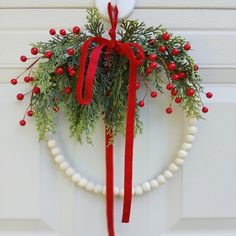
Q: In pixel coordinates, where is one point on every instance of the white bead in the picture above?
(64, 165)
(97, 189)
(179, 162)
(146, 187)
(192, 121)
(55, 151)
(76, 177)
(51, 143)
(189, 138)
(192, 130)
(83, 182)
(181, 153)
(186, 146)
(90, 186)
(59, 159)
(138, 190)
(116, 191)
(172, 167)
(121, 192)
(161, 179)
(154, 183)
(168, 174)
(104, 190)
(133, 192)
(70, 171)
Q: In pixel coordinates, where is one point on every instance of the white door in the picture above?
(36, 199)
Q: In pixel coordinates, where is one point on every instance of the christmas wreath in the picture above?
(88, 76)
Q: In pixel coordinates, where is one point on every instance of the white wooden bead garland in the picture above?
(138, 190)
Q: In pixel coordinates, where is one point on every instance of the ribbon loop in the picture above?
(84, 91)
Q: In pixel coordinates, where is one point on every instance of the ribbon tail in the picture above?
(130, 118)
(109, 184)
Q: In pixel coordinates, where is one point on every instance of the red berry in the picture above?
(169, 86)
(153, 94)
(187, 47)
(52, 31)
(172, 66)
(162, 48)
(152, 57)
(55, 108)
(175, 77)
(30, 113)
(178, 100)
(76, 29)
(70, 51)
(22, 123)
(140, 62)
(151, 41)
(196, 67)
(23, 58)
(174, 92)
(34, 51)
(182, 75)
(14, 81)
(165, 36)
(48, 54)
(67, 90)
(20, 96)
(69, 68)
(141, 103)
(139, 55)
(204, 109)
(36, 90)
(190, 92)
(72, 73)
(209, 95)
(175, 51)
(137, 85)
(62, 32)
(153, 64)
(27, 79)
(59, 71)
(169, 110)
(148, 71)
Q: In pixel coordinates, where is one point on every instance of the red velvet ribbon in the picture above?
(84, 92)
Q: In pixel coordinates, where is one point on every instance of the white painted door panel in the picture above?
(37, 200)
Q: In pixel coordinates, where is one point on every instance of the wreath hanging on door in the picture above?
(88, 76)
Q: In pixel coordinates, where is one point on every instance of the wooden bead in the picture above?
(121, 192)
(186, 146)
(161, 179)
(172, 167)
(97, 189)
(64, 165)
(51, 143)
(146, 187)
(90, 186)
(138, 190)
(192, 121)
(59, 159)
(192, 130)
(55, 151)
(181, 153)
(168, 174)
(104, 190)
(179, 162)
(189, 138)
(83, 182)
(70, 171)
(76, 177)
(154, 183)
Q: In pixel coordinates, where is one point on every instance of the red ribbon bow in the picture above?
(84, 96)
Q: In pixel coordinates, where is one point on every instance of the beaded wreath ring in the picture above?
(88, 76)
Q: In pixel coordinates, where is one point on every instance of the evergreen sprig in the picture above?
(110, 90)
